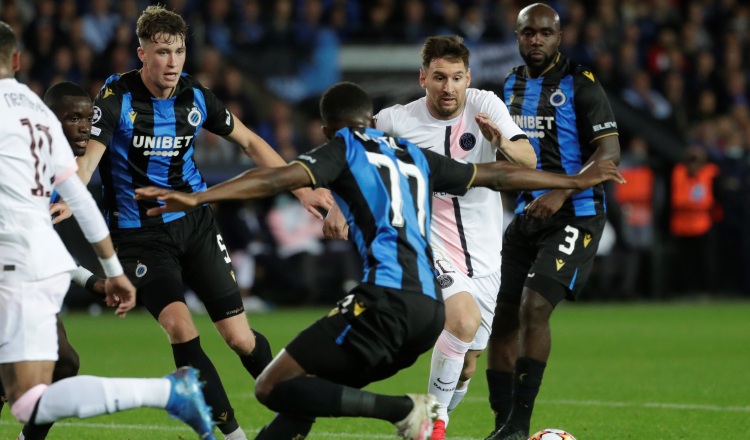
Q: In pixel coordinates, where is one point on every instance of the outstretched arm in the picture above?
(262, 154)
(502, 176)
(252, 184)
(607, 148)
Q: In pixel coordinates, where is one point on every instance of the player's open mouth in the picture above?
(82, 143)
(171, 76)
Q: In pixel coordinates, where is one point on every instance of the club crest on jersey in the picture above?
(140, 270)
(195, 117)
(97, 115)
(444, 281)
(467, 141)
(558, 98)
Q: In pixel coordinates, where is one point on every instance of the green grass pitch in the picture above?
(646, 372)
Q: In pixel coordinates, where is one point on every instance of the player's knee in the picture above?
(464, 329)
(179, 326)
(67, 365)
(505, 322)
(242, 343)
(23, 407)
(535, 311)
(263, 388)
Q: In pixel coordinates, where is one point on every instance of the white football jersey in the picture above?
(33, 154)
(468, 229)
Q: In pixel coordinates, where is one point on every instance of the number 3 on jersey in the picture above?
(570, 239)
(37, 150)
(397, 200)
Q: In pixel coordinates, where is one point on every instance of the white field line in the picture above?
(316, 434)
(658, 405)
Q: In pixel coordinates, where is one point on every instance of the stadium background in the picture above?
(676, 73)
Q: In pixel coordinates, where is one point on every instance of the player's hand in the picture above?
(315, 200)
(99, 287)
(592, 174)
(174, 201)
(547, 204)
(335, 225)
(597, 172)
(488, 128)
(120, 293)
(59, 212)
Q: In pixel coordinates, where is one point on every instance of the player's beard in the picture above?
(449, 112)
(540, 64)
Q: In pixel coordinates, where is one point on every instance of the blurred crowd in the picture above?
(682, 224)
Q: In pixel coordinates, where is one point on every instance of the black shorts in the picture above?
(159, 259)
(553, 256)
(370, 335)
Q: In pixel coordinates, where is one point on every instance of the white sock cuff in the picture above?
(451, 346)
(24, 406)
(463, 385)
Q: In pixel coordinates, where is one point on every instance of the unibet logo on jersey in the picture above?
(534, 125)
(162, 145)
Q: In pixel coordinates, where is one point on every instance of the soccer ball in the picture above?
(552, 434)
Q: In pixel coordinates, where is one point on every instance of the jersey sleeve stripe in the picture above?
(60, 178)
(603, 136)
(473, 176)
(312, 177)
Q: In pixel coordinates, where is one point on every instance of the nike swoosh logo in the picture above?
(445, 383)
(531, 275)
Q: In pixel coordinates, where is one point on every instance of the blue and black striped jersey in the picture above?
(384, 187)
(150, 143)
(563, 112)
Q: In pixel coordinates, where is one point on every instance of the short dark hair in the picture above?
(156, 19)
(54, 95)
(344, 101)
(8, 42)
(447, 47)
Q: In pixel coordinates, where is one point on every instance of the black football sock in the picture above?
(526, 382)
(500, 384)
(66, 366)
(3, 398)
(316, 397)
(191, 354)
(36, 432)
(286, 427)
(261, 356)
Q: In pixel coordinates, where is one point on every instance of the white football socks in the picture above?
(445, 370)
(88, 396)
(237, 434)
(458, 394)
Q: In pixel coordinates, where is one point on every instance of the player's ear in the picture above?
(141, 54)
(468, 77)
(15, 61)
(327, 132)
(422, 77)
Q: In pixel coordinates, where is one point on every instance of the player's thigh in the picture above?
(369, 335)
(207, 269)
(485, 294)
(566, 257)
(28, 330)
(519, 253)
(149, 259)
(462, 315)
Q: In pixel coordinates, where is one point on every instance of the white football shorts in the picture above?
(28, 318)
(484, 290)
